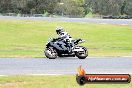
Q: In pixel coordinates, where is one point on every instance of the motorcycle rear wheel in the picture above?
(51, 53)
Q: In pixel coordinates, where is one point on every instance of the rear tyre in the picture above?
(51, 53)
(82, 54)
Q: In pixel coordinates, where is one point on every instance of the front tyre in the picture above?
(50, 53)
(82, 54)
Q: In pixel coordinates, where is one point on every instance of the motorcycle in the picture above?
(59, 48)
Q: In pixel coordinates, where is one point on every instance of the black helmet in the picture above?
(59, 30)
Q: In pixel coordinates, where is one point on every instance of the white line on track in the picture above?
(45, 74)
(124, 24)
(3, 75)
(102, 23)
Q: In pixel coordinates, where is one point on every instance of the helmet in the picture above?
(59, 30)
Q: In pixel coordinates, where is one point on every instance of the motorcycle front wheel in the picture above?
(50, 53)
(82, 54)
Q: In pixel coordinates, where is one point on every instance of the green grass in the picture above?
(28, 38)
(51, 82)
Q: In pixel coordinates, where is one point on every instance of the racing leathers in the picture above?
(67, 39)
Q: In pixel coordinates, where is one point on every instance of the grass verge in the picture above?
(28, 38)
(51, 82)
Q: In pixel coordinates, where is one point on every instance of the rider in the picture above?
(64, 36)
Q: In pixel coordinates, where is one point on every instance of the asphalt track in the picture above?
(79, 20)
(43, 66)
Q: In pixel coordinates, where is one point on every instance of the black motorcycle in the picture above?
(60, 48)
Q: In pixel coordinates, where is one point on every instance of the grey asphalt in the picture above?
(43, 66)
(80, 20)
